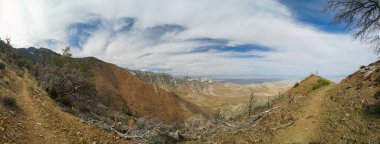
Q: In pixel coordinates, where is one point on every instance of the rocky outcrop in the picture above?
(176, 84)
(215, 96)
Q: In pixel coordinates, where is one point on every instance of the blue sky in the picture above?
(198, 37)
(311, 12)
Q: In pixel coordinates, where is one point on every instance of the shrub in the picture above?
(52, 93)
(296, 85)
(66, 101)
(59, 97)
(9, 102)
(2, 66)
(362, 67)
(321, 83)
(218, 116)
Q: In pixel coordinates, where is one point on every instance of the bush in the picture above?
(66, 101)
(52, 93)
(362, 67)
(9, 102)
(59, 97)
(2, 66)
(321, 83)
(296, 85)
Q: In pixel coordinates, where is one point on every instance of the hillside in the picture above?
(117, 90)
(318, 111)
(292, 118)
(28, 115)
(353, 109)
(120, 89)
(95, 92)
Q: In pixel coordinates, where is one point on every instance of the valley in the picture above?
(214, 95)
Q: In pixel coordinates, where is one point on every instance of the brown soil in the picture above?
(37, 119)
(304, 129)
(120, 89)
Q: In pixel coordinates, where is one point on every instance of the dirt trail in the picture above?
(307, 120)
(38, 128)
(43, 121)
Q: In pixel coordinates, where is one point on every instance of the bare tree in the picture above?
(360, 15)
(66, 52)
(8, 40)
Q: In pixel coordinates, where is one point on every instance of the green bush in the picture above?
(59, 97)
(2, 66)
(66, 101)
(9, 102)
(321, 83)
(218, 116)
(296, 85)
(52, 93)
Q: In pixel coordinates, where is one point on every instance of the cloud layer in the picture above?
(196, 37)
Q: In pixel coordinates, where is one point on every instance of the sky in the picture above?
(191, 37)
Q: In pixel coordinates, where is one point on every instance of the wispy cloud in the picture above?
(195, 37)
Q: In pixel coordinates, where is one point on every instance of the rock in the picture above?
(2, 129)
(346, 88)
(174, 83)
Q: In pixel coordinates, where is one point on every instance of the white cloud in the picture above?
(298, 48)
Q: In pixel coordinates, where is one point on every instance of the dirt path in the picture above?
(43, 121)
(37, 126)
(307, 121)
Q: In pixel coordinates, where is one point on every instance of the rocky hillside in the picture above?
(178, 85)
